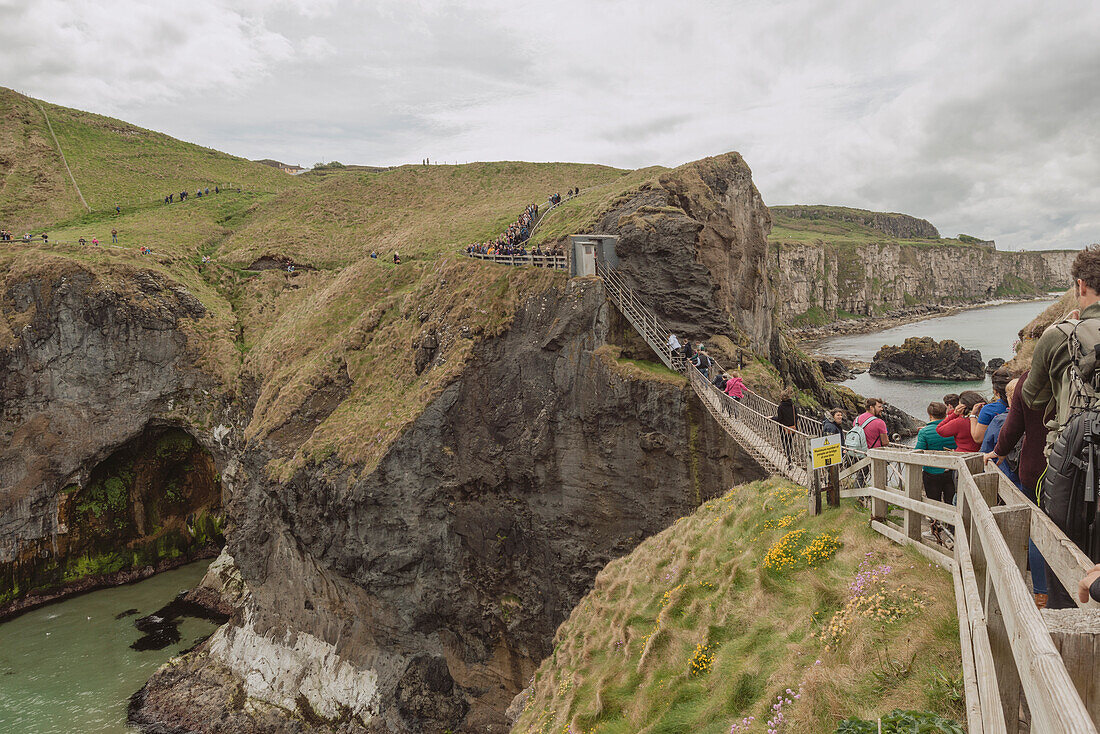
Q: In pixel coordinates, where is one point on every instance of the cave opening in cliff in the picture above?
(162, 485)
(152, 504)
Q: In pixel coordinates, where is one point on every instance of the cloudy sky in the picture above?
(983, 117)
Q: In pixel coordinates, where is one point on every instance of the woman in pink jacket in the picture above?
(735, 387)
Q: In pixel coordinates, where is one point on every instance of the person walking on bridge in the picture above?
(834, 424)
(787, 417)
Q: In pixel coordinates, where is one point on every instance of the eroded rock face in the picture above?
(85, 367)
(694, 248)
(922, 357)
(442, 575)
(886, 278)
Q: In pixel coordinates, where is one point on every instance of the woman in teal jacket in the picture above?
(939, 484)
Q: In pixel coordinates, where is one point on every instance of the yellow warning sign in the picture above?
(826, 451)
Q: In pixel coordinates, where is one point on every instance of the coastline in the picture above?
(809, 336)
(40, 598)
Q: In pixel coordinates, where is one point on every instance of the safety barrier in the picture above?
(558, 262)
(1008, 652)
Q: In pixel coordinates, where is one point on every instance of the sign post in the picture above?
(825, 452)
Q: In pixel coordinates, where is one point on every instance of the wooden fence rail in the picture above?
(1017, 679)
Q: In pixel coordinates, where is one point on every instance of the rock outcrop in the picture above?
(835, 370)
(875, 279)
(95, 375)
(421, 596)
(923, 358)
(694, 247)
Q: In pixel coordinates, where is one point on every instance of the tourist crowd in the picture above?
(511, 242)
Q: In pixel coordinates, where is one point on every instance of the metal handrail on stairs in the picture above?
(775, 447)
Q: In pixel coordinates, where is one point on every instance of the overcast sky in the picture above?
(983, 117)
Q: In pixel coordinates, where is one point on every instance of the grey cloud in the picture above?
(978, 116)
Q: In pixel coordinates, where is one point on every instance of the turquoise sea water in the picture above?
(992, 330)
(67, 668)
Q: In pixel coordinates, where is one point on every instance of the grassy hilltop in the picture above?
(342, 317)
(112, 161)
(704, 625)
(840, 225)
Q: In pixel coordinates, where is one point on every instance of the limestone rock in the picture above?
(876, 279)
(923, 358)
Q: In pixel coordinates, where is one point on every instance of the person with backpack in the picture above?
(869, 429)
(1063, 381)
(702, 361)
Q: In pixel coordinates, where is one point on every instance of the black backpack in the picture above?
(1068, 489)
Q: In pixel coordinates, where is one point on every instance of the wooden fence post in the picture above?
(833, 491)
(914, 489)
(1076, 634)
(878, 480)
(815, 492)
(1015, 525)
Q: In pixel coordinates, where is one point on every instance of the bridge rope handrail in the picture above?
(749, 422)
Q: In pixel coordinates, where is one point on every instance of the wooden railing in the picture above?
(1011, 662)
(558, 262)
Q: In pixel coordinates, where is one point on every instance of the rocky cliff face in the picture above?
(421, 596)
(819, 281)
(418, 592)
(694, 247)
(94, 374)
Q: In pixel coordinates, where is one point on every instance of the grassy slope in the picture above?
(354, 317)
(422, 211)
(34, 188)
(115, 162)
(704, 580)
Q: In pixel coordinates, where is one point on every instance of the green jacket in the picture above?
(1049, 365)
(927, 438)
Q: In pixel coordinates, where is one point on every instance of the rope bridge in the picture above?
(777, 448)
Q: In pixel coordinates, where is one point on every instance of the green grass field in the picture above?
(706, 623)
